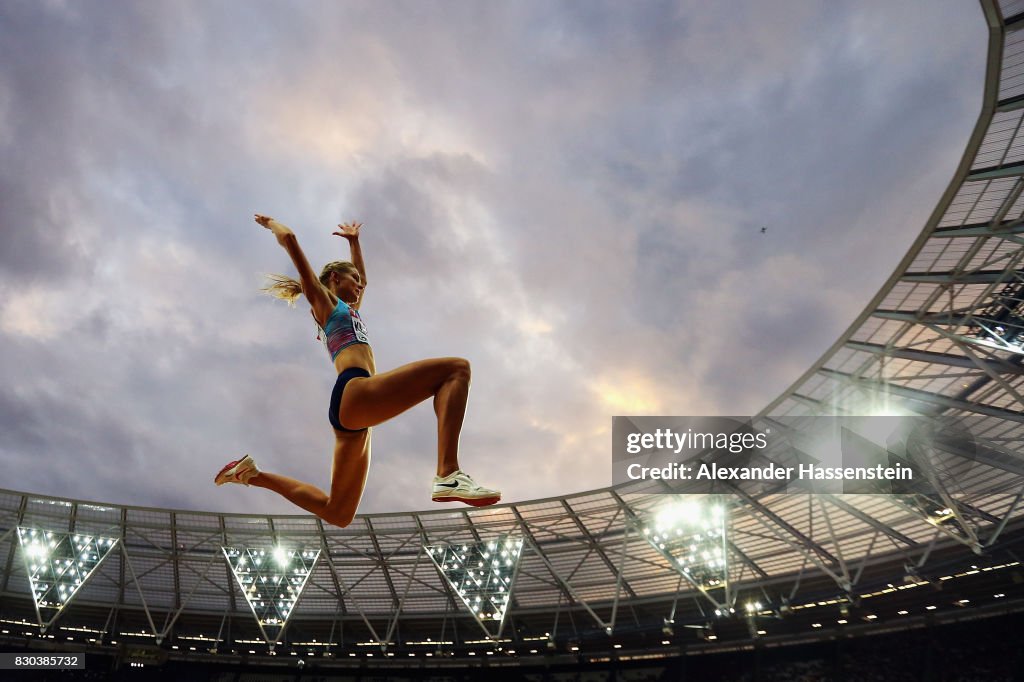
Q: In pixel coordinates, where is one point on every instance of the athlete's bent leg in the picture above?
(348, 478)
(372, 400)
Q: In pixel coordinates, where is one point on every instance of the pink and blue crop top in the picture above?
(344, 328)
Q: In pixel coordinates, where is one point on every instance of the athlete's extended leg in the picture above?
(371, 400)
(348, 477)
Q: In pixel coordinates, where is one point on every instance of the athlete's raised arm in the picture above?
(318, 297)
(350, 231)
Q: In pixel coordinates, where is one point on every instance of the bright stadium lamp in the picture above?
(691, 534)
(58, 565)
(272, 582)
(482, 575)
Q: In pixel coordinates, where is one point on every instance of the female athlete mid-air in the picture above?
(362, 398)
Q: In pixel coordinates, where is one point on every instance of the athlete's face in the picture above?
(347, 286)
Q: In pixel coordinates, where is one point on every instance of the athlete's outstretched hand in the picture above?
(349, 231)
(280, 230)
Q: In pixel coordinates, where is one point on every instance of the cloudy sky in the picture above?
(568, 193)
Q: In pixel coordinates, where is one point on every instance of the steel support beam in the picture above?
(1006, 518)
(940, 401)
(870, 520)
(424, 540)
(807, 552)
(989, 229)
(952, 319)
(348, 594)
(947, 359)
(14, 543)
(382, 563)
(567, 591)
(1009, 170)
(174, 560)
(1014, 23)
(597, 547)
(955, 277)
(325, 550)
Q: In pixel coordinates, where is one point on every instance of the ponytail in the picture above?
(283, 287)
(288, 289)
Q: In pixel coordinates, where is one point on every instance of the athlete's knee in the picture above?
(460, 369)
(339, 515)
(339, 520)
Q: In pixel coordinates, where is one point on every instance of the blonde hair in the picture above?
(289, 289)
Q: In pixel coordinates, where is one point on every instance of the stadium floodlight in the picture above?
(482, 574)
(753, 609)
(691, 534)
(58, 565)
(272, 580)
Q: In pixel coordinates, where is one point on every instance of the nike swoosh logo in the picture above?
(449, 485)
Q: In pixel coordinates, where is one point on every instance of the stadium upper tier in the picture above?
(943, 338)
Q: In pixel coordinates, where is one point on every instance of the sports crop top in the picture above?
(344, 328)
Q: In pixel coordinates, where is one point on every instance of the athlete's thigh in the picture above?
(371, 400)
